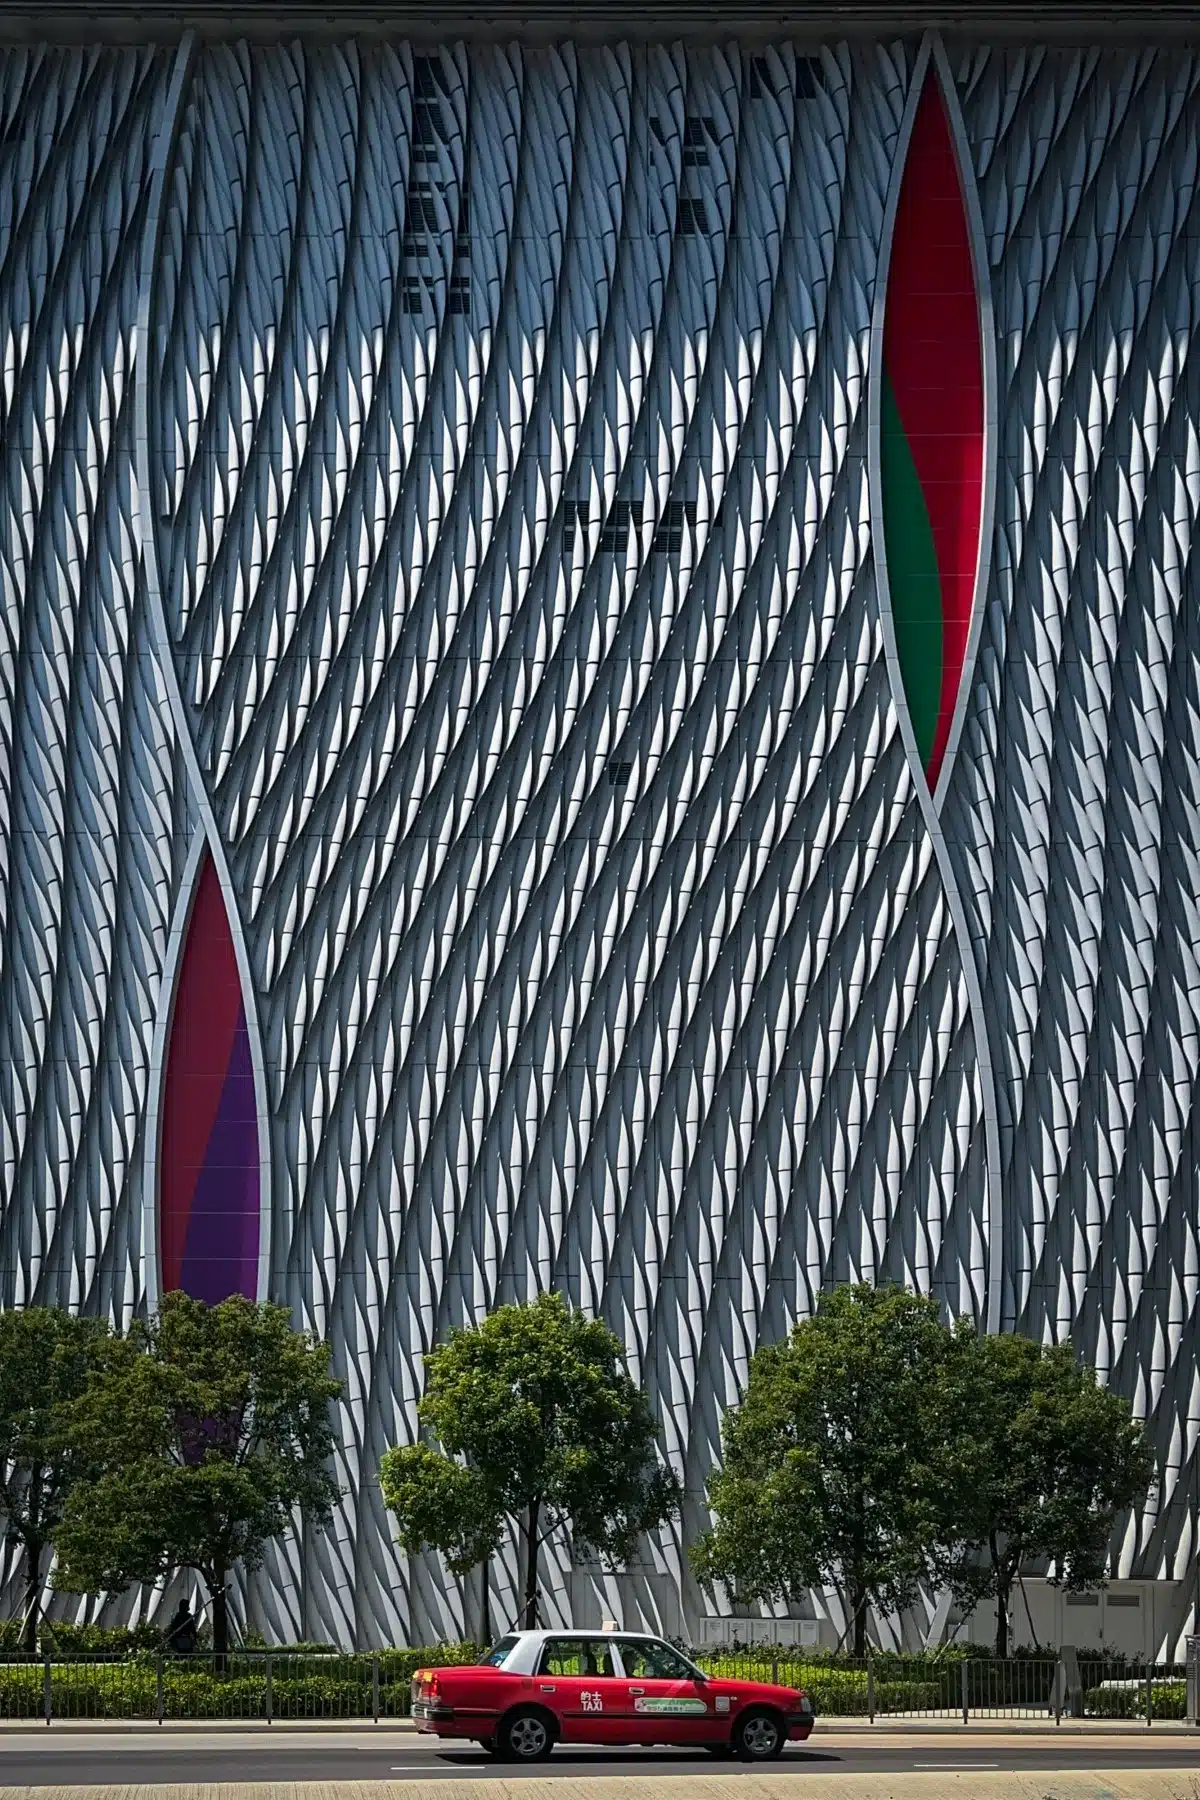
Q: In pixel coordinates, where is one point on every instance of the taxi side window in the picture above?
(653, 1662)
(586, 1658)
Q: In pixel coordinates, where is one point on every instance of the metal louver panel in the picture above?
(93, 816)
(1072, 812)
(688, 1041)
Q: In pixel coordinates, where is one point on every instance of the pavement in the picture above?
(221, 1762)
(1083, 1784)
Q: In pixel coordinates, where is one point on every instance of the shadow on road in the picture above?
(563, 1758)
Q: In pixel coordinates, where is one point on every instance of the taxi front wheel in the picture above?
(759, 1737)
(525, 1736)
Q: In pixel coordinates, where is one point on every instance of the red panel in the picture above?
(934, 358)
(208, 1000)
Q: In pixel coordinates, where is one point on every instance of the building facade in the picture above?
(600, 688)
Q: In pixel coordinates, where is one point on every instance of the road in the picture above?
(144, 1758)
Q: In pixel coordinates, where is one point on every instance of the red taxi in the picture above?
(539, 1688)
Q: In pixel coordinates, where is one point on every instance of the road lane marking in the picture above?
(955, 1765)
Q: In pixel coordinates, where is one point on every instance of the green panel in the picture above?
(912, 577)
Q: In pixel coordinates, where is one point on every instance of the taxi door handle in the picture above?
(634, 1690)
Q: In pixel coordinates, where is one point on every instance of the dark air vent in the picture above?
(412, 295)
(618, 773)
(575, 518)
(810, 77)
(427, 77)
(460, 293)
(809, 81)
(668, 538)
(426, 131)
(697, 136)
(692, 218)
(420, 213)
(760, 83)
(614, 534)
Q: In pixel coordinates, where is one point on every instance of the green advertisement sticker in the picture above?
(668, 1703)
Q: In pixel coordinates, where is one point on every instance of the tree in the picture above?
(208, 1425)
(1043, 1460)
(45, 1357)
(832, 1460)
(538, 1420)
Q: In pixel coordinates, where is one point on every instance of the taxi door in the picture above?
(577, 1681)
(668, 1705)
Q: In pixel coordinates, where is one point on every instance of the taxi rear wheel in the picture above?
(526, 1735)
(759, 1736)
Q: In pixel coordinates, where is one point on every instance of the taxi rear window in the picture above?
(499, 1652)
(587, 1657)
(648, 1658)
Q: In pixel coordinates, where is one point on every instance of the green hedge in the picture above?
(915, 1685)
(304, 1686)
(118, 1679)
(1168, 1700)
(57, 1637)
(932, 1682)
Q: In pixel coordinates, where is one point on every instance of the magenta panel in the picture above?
(209, 1160)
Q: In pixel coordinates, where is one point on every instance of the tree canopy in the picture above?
(208, 1426)
(46, 1355)
(1042, 1459)
(833, 1459)
(538, 1419)
(878, 1447)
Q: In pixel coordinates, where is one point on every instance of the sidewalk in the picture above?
(1079, 1784)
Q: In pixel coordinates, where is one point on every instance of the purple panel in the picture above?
(221, 1256)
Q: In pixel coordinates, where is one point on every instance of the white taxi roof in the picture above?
(580, 1631)
(522, 1658)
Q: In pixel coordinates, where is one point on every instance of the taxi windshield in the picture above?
(498, 1653)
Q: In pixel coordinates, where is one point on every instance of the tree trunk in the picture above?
(220, 1616)
(1003, 1588)
(858, 1601)
(531, 1566)
(33, 1593)
(485, 1606)
(1004, 1567)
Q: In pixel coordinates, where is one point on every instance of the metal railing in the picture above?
(277, 1686)
(963, 1688)
(268, 1686)
(1109, 1691)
